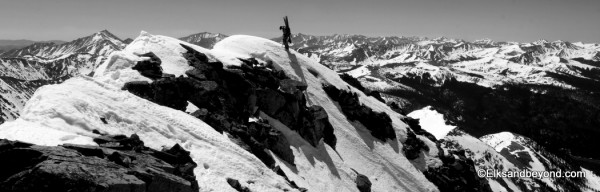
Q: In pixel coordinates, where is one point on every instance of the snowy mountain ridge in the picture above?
(24, 70)
(100, 43)
(77, 109)
(69, 112)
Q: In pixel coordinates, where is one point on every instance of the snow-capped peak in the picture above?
(99, 43)
(540, 42)
(204, 39)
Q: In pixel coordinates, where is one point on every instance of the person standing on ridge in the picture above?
(287, 34)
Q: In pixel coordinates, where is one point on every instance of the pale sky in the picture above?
(500, 20)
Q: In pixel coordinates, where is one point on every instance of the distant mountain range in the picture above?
(204, 39)
(6, 45)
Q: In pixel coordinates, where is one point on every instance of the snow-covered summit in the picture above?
(73, 109)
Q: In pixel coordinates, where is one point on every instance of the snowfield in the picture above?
(68, 112)
(432, 121)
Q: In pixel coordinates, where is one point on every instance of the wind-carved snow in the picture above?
(73, 109)
(432, 121)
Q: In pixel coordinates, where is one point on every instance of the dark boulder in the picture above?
(149, 67)
(363, 183)
(317, 127)
(142, 89)
(235, 184)
(171, 92)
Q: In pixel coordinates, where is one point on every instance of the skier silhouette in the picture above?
(287, 34)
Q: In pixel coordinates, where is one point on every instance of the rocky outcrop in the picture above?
(149, 67)
(356, 84)
(316, 126)
(413, 146)
(362, 182)
(119, 163)
(457, 173)
(235, 184)
(417, 129)
(379, 123)
(229, 100)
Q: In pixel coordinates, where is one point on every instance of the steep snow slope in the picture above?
(74, 108)
(384, 163)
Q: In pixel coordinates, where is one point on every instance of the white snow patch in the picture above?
(593, 181)
(432, 121)
(35, 133)
(190, 108)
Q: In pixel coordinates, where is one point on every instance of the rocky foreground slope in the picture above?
(119, 163)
